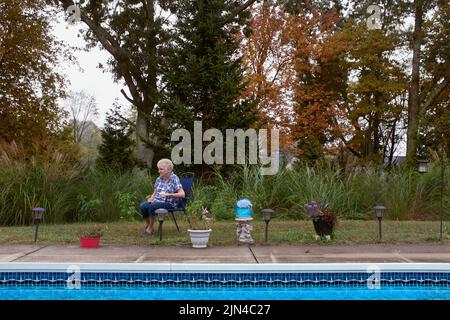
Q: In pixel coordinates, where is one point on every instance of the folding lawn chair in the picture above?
(186, 180)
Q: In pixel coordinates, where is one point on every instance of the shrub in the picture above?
(127, 204)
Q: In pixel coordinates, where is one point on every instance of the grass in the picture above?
(74, 194)
(347, 232)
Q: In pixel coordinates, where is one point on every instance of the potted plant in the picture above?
(90, 236)
(200, 229)
(324, 219)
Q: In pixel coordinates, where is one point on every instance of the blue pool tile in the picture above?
(234, 279)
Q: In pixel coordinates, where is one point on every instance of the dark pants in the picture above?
(148, 208)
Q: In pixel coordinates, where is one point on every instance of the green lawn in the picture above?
(224, 233)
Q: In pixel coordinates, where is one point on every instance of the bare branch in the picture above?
(128, 71)
(126, 97)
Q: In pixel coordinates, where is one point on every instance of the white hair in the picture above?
(166, 162)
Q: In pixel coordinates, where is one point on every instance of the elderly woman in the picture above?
(167, 191)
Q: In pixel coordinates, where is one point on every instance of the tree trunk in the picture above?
(376, 124)
(391, 151)
(143, 152)
(369, 145)
(376, 134)
(413, 100)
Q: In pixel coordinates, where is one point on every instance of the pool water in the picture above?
(215, 292)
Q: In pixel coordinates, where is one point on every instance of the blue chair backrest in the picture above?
(187, 186)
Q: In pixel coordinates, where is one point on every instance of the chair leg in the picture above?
(175, 220)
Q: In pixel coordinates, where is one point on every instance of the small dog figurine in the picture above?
(205, 214)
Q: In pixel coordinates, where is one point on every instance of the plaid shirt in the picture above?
(171, 186)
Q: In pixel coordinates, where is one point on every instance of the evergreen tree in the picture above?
(204, 72)
(116, 150)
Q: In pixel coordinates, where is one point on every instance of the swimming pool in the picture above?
(341, 281)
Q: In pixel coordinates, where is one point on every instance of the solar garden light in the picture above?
(38, 216)
(267, 213)
(161, 215)
(422, 166)
(379, 211)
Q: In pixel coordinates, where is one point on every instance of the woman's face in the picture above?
(164, 170)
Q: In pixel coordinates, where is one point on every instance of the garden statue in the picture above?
(243, 210)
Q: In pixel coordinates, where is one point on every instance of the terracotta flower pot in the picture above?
(89, 242)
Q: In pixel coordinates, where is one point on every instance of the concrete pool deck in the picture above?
(399, 253)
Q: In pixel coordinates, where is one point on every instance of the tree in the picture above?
(267, 63)
(430, 79)
(434, 128)
(413, 99)
(29, 84)
(116, 149)
(378, 80)
(83, 110)
(294, 70)
(320, 77)
(132, 32)
(203, 73)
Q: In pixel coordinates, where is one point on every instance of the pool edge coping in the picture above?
(224, 267)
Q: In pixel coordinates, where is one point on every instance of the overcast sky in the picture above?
(91, 79)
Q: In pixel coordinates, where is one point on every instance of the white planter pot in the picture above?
(199, 238)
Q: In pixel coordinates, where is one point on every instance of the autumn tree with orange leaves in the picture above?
(320, 79)
(267, 63)
(293, 68)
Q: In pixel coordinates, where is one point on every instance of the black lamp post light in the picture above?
(267, 214)
(423, 168)
(379, 211)
(38, 216)
(161, 215)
